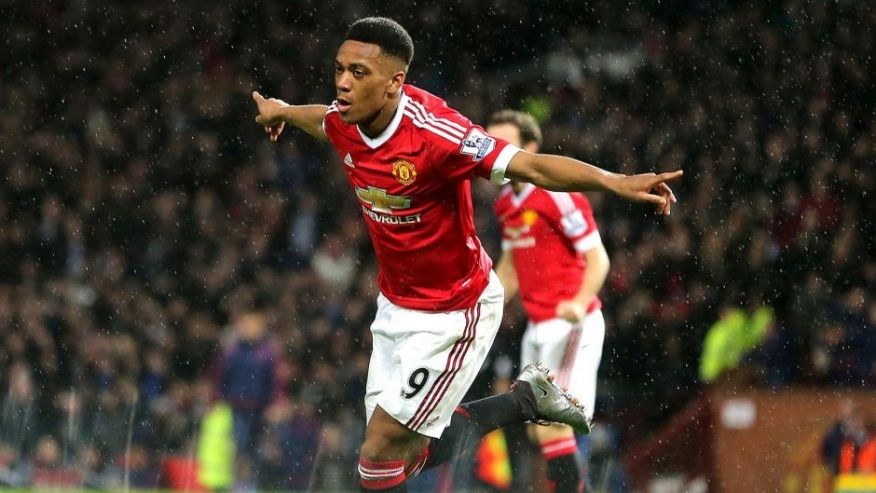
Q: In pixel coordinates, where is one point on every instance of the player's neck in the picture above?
(378, 124)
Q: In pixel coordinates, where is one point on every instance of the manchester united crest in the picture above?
(404, 171)
(529, 217)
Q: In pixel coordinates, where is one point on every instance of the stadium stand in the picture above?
(141, 210)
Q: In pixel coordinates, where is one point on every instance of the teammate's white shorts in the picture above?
(571, 351)
(423, 363)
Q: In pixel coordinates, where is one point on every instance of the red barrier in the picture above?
(181, 474)
(681, 447)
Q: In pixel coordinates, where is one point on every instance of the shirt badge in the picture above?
(404, 171)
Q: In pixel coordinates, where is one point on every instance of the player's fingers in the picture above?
(672, 200)
(664, 190)
(651, 198)
(277, 129)
(257, 97)
(672, 197)
(660, 209)
(671, 175)
(655, 180)
(666, 193)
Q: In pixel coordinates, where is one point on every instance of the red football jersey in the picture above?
(546, 232)
(412, 182)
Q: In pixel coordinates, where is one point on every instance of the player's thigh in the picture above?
(529, 348)
(439, 359)
(387, 439)
(384, 366)
(582, 375)
(555, 340)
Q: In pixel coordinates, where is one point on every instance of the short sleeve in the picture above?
(467, 150)
(332, 109)
(484, 155)
(576, 220)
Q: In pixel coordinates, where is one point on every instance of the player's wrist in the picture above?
(612, 182)
(283, 113)
(583, 300)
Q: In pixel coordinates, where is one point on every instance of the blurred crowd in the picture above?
(143, 215)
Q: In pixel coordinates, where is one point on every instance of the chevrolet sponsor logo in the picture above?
(386, 219)
(516, 232)
(380, 201)
(524, 242)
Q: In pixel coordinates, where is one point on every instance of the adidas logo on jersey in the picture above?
(349, 161)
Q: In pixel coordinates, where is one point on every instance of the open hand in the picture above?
(270, 114)
(649, 187)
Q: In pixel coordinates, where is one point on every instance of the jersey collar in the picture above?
(390, 129)
(518, 199)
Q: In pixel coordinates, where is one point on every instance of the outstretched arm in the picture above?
(274, 114)
(565, 174)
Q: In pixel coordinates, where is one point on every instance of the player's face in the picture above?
(505, 131)
(365, 81)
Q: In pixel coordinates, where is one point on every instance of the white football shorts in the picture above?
(423, 363)
(572, 351)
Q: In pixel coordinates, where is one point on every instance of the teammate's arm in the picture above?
(594, 277)
(274, 114)
(565, 174)
(507, 275)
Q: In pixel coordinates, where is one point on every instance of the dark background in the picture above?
(141, 207)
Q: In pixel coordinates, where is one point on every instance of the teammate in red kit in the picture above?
(409, 159)
(552, 254)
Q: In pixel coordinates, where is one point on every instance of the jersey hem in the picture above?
(444, 305)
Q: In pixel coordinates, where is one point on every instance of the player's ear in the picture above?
(396, 82)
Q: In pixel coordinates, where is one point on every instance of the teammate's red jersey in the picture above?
(412, 182)
(546, 232)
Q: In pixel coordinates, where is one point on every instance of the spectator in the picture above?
(294, 440)
(99, 470)
(247, 381)
(133, 211)
(850, 445)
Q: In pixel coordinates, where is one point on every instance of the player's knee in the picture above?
(388, 448)
(378, 447)
(390, 440)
